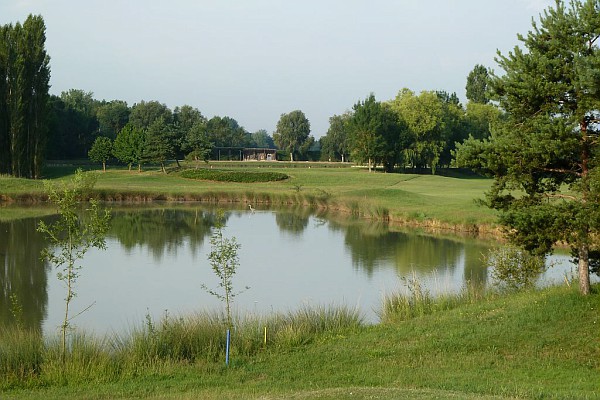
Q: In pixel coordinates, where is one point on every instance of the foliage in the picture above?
(480, 119)
(24, 86)
(233, 176)
(189, 134)
(226, 132)
(72, 235)
(377, 135)
(128, 147)
(224, 261)
(292, 133)
(144, 113)
(261, 139)
(477, 85)
(514, 268)
(197, 143)
(428, 121)
(544, 157)
(112, 116)
(335, 144)
(160, 143)
(101, 150)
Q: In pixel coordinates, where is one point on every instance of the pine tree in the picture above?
(544, 158)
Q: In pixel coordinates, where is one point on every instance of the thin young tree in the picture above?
(224, 261)
(71, 236)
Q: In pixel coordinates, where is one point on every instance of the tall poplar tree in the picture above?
(477, 85)
(544, 157)
(24, 86)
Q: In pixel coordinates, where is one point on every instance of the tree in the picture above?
(454, 125)
(79, 121)
(24, 86)
(159, 145)
(477, 85)
(426, 117)
(144, 113)
(262, 139)
(480, 119)
(224, 261)
(335, 144)
(196, 142)
(72, 235)
(376, 134)
(128, 147)
(226, 132)
(112, 117)
(544, 157)
(292, 132)
(188, 122)
(101, 150)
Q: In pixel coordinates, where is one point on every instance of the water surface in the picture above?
(156, 263)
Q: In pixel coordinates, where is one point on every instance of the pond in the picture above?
(156, 262)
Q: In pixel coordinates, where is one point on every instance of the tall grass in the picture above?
(26, 358)
(417, 301)
(21, 354)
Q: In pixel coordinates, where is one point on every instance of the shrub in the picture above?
(233, 176)
(514, 268)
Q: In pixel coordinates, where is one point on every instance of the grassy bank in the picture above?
(426, 200)
(539, 344)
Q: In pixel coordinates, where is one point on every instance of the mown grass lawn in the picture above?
(428, 199)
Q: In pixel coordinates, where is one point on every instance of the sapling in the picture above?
(72, 235)
(224, 262)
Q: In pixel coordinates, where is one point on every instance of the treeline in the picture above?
(414, 131)
(418, 131)
(148, 131)
(24, 85)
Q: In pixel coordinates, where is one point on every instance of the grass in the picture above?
(416, 301)
(428, 200)
(533, 344)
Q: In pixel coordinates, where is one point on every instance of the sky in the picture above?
(254, 60)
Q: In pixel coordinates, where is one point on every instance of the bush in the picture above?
(233, 176)
(514, 268)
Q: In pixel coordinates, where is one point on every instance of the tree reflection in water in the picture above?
(356, 252)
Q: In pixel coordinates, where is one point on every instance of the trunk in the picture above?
(584, 271)
(369, 165)
(584, 248)
(292, 156)
(103, 166)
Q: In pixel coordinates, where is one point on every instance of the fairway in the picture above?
(426, 200)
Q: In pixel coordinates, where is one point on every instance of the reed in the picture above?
(21, 354)
(417, 301)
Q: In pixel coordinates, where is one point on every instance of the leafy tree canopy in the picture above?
(101, 150)
(292, 132)
(477, 85)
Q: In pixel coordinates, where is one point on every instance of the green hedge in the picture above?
(233, 176)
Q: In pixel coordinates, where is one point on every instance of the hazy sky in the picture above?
(253, 60)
